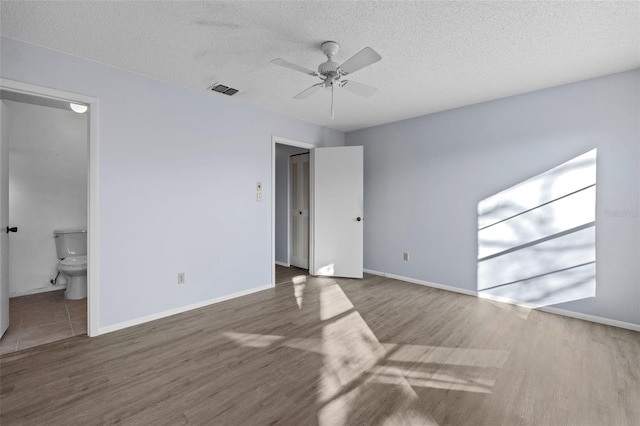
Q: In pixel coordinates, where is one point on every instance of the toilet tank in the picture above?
(70, 242)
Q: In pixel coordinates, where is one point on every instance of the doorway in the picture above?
(335, 210)
(299, 198)
(282, 150)
(25, 99)
(47, 163)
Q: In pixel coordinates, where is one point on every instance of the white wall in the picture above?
(283, 171)
(47, 189)
(425, 176)
(177, 175)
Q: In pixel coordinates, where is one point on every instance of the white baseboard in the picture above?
(170, 312)
(592, 318)
(286, 265)
(508, 300)
(551, 310)
(38, 290)
(421, 282)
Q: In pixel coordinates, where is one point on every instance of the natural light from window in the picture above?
(536, 240)
(355, 364)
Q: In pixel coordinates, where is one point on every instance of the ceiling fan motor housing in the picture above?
(328, 68)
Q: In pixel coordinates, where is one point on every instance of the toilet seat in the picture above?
(74, 263)
(74, 260)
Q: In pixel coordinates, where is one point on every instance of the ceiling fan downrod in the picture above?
(332, 115)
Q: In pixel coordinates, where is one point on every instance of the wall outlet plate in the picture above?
(181, 278)
(405, 256)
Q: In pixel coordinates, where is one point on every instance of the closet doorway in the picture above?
(299, 210)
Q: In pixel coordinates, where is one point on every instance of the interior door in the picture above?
(337, 206)
(299, 210)
(4, 221)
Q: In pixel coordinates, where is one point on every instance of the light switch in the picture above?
(259, 197)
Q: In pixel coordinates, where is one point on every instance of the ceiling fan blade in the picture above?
(363, 58)
(308, 92)
(293, 66)
(359, 88)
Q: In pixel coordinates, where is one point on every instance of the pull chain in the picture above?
(332, 85)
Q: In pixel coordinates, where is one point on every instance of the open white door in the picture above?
(337, 211)
(4, 221)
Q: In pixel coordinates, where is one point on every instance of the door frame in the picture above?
(299, 144)
(93, 287)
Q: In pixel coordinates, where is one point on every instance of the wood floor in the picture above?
(323, 351)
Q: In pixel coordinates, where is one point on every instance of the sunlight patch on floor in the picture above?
(333, 302)
(298, 288)
(521, 310)
(326, 270)
(356, 366)
(439, 379)
(346, 379)
(253, 340)
(481, 358)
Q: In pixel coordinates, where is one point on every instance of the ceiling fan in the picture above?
(331, 73)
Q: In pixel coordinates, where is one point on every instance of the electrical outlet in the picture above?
(259, 197)
(406, 256)
(181, 278)
(258, 186)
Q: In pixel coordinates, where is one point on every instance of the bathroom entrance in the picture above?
(44, 184)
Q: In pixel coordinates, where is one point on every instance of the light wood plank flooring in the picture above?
(323, 351)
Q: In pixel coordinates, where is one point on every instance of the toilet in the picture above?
(71, 248)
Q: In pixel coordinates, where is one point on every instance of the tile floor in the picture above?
(42, 318)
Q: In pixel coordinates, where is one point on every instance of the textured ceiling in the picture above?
(435, 55)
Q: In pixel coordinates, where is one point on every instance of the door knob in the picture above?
(358, 218)
(13, 229)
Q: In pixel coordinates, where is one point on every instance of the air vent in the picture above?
(221, 88)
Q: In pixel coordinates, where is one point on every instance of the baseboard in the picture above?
(421, 282)
(563, 312)
(286, 265)
(592, 318)
(548, 309)
(509, 301)
(38, 290)
(170, 312)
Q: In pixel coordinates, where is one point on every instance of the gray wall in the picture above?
(283, 152)
(177, 175)
(47, 188)
(425, 176)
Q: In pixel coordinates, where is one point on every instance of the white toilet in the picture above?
(71, 248)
